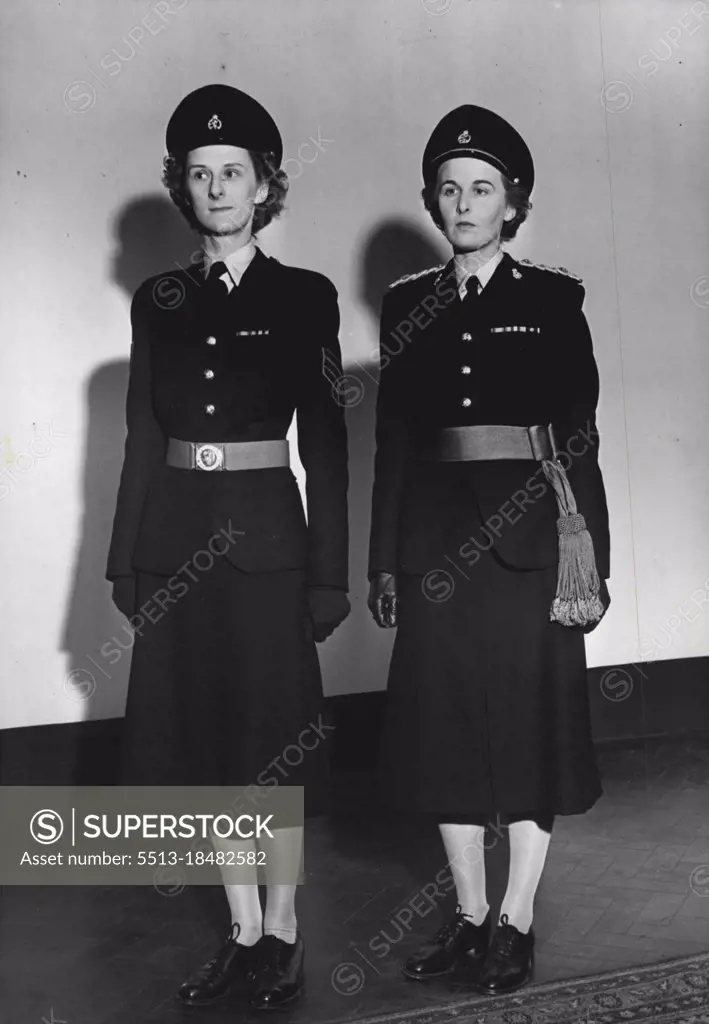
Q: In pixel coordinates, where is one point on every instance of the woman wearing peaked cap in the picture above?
(489, 542)
(227, 587)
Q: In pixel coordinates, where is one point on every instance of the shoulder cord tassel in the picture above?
(577, 601)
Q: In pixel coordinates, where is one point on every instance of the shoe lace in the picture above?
(229, 940)
(448, 931)
(270, 951)
(505, 939)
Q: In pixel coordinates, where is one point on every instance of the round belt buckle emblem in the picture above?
(209, 457)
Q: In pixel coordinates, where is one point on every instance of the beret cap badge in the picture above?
(220, 114)
(464, 137)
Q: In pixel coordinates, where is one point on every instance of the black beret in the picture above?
(221, 115)
(475, 131)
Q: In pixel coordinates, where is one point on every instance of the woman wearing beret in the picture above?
(227, 587)
(488, 508)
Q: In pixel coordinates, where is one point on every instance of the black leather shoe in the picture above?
(214, 979)
(279, 975)
(456, 943)
(509, 963)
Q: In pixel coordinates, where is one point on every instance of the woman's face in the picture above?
(222, 186)
(472, 203)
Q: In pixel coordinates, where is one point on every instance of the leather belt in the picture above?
(483, 442)
(230, 455)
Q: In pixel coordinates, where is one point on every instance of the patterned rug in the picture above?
(672, 992)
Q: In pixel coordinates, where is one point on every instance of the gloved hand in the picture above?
(606, 599)
(328, 608)
(124, 595)
(382, 601)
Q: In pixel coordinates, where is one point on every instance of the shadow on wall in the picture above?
(392, 249)
(356, 658)
(150, 236)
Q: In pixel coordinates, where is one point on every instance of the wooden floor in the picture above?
(625, 884)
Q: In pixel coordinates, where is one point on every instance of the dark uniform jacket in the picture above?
(519, 353)
(201, 371)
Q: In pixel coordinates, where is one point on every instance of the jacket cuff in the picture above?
(112, 574)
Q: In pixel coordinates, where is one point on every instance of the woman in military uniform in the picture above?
(487, 408)
(227, 588)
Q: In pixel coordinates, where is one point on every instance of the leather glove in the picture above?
(383, 601)
(606, 599)
(124, 595)
(328, 608)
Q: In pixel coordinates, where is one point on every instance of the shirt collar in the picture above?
(483, 273)
(236, 262)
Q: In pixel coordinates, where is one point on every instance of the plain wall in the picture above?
(611, 98)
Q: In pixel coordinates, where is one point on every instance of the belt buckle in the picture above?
(209, 456)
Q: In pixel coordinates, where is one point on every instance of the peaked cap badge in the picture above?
(464, 137)
(214, 124)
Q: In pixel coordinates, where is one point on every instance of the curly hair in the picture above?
(267, 173)
(516, 195)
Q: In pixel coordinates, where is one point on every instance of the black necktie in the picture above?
(217, 288)
(472, 290)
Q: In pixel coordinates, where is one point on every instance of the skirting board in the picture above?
(629, 703)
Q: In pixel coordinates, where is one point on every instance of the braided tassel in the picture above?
(577, 601)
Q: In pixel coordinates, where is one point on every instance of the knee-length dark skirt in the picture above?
(487, 707)
(225, 686)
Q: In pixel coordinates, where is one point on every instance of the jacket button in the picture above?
(465, 369)
(209, 374)
(467, 336)
(209, 409)
(466, 402)
(211, 340)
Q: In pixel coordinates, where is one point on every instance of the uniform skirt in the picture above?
(225, 686)
(487, 708)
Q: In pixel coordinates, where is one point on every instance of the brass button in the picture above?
(210, 409)
(467, 336)
(465, 369)
(211, 340)
(209, 374)
(466, 402)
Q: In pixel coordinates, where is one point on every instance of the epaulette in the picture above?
(553, 270)
(414, 277)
